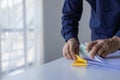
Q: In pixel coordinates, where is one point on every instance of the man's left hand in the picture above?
(103, 47)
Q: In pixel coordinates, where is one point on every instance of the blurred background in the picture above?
(30, 35)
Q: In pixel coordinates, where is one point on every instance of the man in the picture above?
(104, 25)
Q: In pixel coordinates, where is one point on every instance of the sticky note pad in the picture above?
(80, 62)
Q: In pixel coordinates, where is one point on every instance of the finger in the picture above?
(72, 52)
(90, 45)
(69, 57)
(101, 51)
(104, 54)
(65, 55)
(77, 50)
(94, 50)
(68, 52)
(64, 51)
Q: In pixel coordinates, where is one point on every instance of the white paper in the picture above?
(111, 62)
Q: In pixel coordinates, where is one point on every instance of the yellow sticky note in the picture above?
(79, 59)
(80, 62)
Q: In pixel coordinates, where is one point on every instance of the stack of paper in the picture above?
(112, 61)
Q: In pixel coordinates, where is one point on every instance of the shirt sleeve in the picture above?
(72, 11)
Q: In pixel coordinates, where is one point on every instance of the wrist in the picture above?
(117, 40)
(73, 40)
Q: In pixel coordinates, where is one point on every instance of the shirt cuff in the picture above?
(69, 36)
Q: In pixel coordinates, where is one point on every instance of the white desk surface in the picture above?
(61, 69)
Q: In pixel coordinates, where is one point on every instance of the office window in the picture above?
(17, 40)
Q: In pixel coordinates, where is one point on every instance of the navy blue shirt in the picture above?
(104, 21)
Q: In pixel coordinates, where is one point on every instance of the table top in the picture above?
(61, 69)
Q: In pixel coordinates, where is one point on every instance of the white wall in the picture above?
(53, 41)
(84, 30)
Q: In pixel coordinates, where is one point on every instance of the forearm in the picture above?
(72, 11)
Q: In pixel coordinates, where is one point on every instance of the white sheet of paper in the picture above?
(111, 62)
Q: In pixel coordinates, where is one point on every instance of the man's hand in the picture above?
(71, 48)
(104, 47)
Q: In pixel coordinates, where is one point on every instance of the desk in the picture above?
(61, 69)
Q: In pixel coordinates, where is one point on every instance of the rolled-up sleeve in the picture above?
(72, 11)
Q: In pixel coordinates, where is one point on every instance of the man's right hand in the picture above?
(71, 48)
